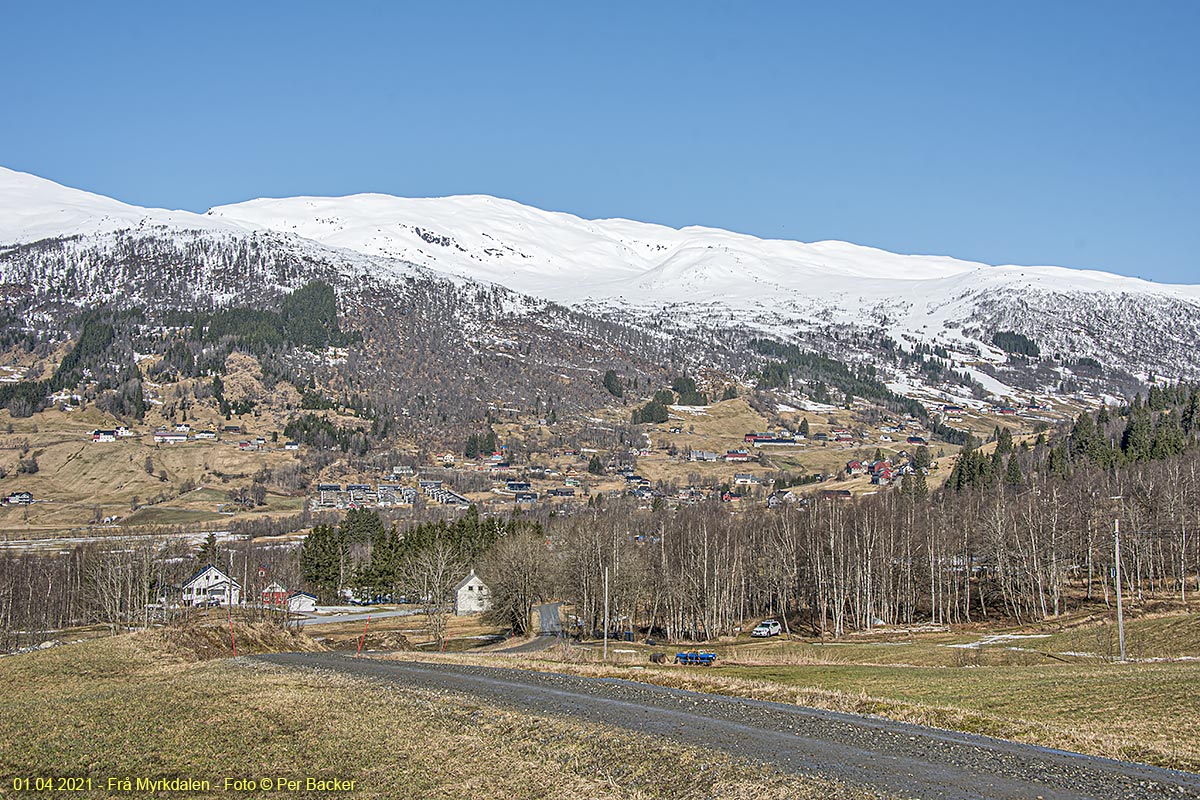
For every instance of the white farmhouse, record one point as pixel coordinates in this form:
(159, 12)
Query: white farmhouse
(210, 586)
(471, 596)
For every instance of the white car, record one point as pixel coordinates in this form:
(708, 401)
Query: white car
(768, 627)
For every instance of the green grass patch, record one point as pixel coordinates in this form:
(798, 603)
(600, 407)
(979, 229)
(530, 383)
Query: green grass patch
(151, 515)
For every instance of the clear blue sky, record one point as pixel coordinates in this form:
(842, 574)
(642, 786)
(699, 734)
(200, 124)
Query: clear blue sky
(1015, 132)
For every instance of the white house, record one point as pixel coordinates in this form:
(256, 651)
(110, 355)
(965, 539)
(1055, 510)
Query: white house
(301, 602)
(104, 436)
(471, 596)
(210, 586)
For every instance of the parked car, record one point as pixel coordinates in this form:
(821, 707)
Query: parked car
(768, 627)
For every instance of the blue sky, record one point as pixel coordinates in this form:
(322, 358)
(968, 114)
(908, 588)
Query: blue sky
(1018, 132)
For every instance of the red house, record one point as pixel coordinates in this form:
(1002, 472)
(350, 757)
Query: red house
(274, 594)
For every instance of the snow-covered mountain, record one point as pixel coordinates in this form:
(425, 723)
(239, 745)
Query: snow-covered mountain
(784, 287)
(639, 272)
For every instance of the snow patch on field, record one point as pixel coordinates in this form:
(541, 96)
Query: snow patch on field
(999, 638)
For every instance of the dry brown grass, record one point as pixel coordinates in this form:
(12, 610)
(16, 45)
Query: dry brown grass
(143, 706)
(1103, 709)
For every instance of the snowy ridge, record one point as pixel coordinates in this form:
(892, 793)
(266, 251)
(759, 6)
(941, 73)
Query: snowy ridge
(33, 208)
(636, 270)
(630, 270)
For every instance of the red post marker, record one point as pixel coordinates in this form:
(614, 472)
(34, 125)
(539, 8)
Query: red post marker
(363, 638)
(232, 640)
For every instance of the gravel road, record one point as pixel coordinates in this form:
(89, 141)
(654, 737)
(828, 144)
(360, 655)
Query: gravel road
(893, 757)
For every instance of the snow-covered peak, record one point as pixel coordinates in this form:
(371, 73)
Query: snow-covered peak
(571, 259)
(33, 208)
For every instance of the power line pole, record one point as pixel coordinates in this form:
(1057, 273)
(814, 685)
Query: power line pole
(606, 613)
(1120, 610)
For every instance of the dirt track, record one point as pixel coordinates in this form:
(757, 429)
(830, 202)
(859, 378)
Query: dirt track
(893, 757)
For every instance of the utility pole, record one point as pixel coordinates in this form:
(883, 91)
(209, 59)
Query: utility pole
(606, 614)
(1120, 611)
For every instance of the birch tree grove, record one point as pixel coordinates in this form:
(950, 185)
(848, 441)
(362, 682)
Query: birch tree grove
(832, 566)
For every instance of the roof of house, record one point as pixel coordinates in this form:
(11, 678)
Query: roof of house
(470, 575)
(205, 569)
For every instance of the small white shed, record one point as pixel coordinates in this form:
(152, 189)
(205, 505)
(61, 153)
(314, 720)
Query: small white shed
(301, 602)
(471, 595)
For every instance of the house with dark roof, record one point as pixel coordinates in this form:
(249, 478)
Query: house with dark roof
(211, 587)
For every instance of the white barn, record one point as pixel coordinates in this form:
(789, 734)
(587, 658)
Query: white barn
(210, 586)
(471, 595)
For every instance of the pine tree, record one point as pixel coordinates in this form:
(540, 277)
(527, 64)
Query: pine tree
(361, 526)
(1004, 441)
(1137, 441)
(804, 427)
(1191, 416)
(1169, 438)
(208, 552)
(323, 561)
(915, 486)
(1013, 475)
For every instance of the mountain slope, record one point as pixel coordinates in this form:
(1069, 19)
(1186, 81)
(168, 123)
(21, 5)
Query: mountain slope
(703, 289)
(784, 287)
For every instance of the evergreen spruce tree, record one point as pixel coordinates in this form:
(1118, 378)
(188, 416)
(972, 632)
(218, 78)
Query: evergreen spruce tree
(324, 557)
(1137, 441)
(1012, 474)
(915, 486)
(208, 552)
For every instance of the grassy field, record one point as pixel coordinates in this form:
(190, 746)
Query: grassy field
(398, 633)
(147, 705)
(78, 480)
(1026, 689)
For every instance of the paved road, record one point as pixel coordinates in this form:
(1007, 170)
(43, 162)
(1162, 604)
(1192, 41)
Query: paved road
(550, 631)
(549, 620)
(889, 756)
